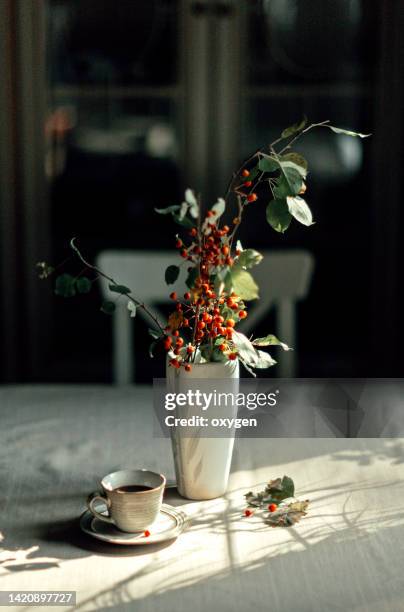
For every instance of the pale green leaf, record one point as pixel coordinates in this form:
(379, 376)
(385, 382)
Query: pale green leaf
(249, 258)
(292, 165)
(264, 360)
(299, 209)
(218, 208)
(295, 128)
(244, 285)
(132, 309)
(245, 349)
(167, 211)
(296, 158)
(270, 340)
(347, 132)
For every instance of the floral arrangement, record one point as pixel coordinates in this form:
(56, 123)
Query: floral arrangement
(202, 326)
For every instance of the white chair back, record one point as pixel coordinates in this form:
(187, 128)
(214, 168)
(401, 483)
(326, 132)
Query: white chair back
(283, 278)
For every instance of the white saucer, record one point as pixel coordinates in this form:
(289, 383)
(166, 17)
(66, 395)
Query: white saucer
(169, 524)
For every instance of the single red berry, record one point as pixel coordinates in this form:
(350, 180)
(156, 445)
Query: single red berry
(230, 323)
(248, 184)
(193, 232)
(187, 295)
(188, 368)
(185, 323)
(233, 356)
(242, 314)
(247, 512)
(147, 533)
(184, 254)
(190, 349)
(252, 197)
(272, 507)
(201, 325)
(173, 295)
(180, 342)
(222, 347)
(245, 173)
(176, 333)
(179, 243)
(225, 249)
(210, 213)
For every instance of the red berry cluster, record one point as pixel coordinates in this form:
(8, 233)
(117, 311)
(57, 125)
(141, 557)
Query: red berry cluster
(249, 197)
(205, 313)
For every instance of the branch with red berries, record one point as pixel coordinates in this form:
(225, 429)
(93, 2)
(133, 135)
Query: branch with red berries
(202, 326)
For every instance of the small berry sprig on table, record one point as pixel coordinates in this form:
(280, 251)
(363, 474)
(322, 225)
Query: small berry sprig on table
(277, 503)
(201, 327)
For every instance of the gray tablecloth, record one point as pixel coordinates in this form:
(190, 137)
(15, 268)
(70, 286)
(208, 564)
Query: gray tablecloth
(55, 444)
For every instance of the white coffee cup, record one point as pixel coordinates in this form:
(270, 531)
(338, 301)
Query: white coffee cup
(133, 499)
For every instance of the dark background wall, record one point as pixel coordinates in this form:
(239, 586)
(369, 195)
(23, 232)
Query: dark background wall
(112, 108)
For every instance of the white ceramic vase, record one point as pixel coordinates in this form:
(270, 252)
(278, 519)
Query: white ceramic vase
(202, 464)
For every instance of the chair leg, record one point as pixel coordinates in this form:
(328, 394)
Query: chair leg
(123, 362)
(286, 327)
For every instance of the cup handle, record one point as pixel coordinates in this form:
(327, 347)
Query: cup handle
(96, 496)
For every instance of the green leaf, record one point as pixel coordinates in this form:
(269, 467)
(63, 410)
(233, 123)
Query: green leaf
(154, 333)
(185, 222)
(275, 491)
(299, 209)
(108, 307)
(267, 164)
(191, 278)
(171, 274)
(292, 177)
(278, 215)
(83, 284)
(65, 285)
(119, 289)
(295, 158)
(167, 211)
(152, 347)
(223, 281)
(291, 165)
(347, 132)
(294, 129)
(253, 174)
(243, 284)
(249, 258)
(270, 340)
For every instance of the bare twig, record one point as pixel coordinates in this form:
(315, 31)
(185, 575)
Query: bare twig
(136, 302)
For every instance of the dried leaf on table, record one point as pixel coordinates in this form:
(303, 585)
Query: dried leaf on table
(288, 515)
(275, 491)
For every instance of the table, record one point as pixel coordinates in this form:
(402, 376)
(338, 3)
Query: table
(57, 441)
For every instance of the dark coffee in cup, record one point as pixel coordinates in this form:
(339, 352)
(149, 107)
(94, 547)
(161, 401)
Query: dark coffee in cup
(132, 488)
